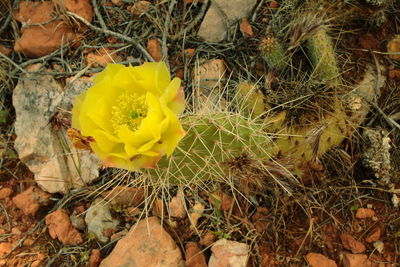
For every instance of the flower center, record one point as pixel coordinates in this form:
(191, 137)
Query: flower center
(129, 110)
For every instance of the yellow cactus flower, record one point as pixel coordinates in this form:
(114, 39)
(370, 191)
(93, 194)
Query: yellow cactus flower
(131, 115)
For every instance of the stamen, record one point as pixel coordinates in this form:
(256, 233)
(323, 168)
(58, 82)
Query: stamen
(130, 109)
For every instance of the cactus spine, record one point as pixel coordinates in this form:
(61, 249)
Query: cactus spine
(211, 143)
(273, 53)
(322, 55)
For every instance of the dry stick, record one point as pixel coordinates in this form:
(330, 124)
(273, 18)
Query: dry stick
(13, 63)
(5, 25)
(98, 15)
(118, 35)
(193, 23)
(165, 33)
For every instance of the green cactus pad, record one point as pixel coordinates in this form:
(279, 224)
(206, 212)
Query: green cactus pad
(322, 55)
(211, 143)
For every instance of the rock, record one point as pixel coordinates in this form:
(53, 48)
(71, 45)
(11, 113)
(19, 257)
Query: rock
(194, 256)
(117, 2)
(363, 213)
(196, 214)
(28, 242)
(214, 26)
(393, 46)
(273, 4)
(95, 258)
(368, 89)
(207, 78)
(102, 57)
(5, 248)
(319, 260)
(60, 227)
(374, 236)
(208, 239)
(36, 99)
(140, 7)
(246, 28)
(5, 50)
(226, 253)
(80, 7)
(260, 219)
(154, 49)
(119, 235)
(30, 200)
(40, 40)
(208, 74)
(351, 244)
(146, 244)
(5, 193)
(99, 220)
(356, 260)
(394, 74)
(35, 263)
(158, 208)
(177, 205)
(78, 222)
(124, 196)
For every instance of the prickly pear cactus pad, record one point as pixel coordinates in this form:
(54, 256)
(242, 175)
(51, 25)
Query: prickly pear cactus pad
(211, 143)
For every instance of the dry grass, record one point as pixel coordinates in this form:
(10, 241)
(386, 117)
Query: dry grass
(298, 213)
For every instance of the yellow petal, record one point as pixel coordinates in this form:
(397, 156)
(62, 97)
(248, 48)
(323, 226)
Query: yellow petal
(76, 110)
(153, 77)
(174, 96)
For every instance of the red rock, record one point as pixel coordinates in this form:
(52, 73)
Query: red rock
(95, 258)
(40, 40)
(5, 248)
(117, 2)
(319, 260)
(40, 256)
(393, 46)
(154, 49)
(31, 199)
(146, 244)
(246, 28)
(363, 213)
(351, 244)
(179, 73)
(124, 196)
(5, 50)
(83, 8)
(273, 4)
(35, 263)
(259, 219)
(140, 7)
(177, 205)
(189, 52)
(60, 227)
(226, 253)
(158, 208)
(194, 256)
(102, 57)
(28, 242)
(208, 239)
(374, 236)
(356, 260)
(5, 193)
(119, 235)
(394, 74)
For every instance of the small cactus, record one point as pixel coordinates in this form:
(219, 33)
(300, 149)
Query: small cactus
(322, 55)
(273, 53)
